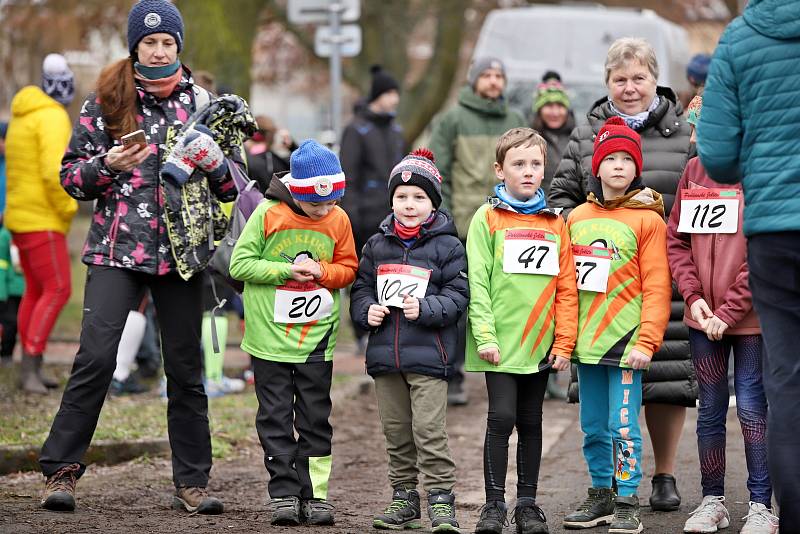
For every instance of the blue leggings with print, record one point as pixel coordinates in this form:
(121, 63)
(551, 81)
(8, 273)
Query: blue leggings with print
(611, 398)
(710, 360)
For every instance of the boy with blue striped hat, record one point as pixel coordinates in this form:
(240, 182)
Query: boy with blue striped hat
(295, 253)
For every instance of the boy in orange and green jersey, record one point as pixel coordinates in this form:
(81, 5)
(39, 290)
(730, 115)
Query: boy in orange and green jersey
(522, 320)
(619, 240)
(295, 253)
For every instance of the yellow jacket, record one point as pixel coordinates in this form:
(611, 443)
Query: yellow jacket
(37, 137)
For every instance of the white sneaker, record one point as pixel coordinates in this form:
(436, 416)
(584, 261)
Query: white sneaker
(760, 520)
(223, 386)
(710, 516)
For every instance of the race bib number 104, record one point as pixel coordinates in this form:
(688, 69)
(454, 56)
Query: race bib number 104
(531, 252)
(302, 302)
(396, 281)
(709, 211)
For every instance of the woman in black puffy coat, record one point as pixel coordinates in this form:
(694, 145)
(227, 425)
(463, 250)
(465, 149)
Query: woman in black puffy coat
(655, 113)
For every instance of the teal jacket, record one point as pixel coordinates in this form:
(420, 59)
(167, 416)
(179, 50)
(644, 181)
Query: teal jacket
(12, 283)
(748, 129)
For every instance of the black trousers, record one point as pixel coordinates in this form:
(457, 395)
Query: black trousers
(774, 262)
(8, 319)
(514, 401)
(295, 396)
(110, 293)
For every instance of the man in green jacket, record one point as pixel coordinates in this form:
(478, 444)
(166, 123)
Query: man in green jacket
(464, 139)
(463, 142)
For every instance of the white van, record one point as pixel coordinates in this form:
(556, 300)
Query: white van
(573, 40)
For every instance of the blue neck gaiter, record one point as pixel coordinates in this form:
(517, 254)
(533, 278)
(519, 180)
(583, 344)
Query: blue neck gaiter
(156, 73)
(533, 205)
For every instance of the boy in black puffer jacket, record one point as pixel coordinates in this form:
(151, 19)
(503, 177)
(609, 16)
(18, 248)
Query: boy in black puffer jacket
(410, 290)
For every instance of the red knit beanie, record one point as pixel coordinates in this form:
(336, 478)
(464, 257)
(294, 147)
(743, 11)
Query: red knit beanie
(615, 136)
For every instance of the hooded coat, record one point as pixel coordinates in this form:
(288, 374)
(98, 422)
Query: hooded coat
(37, 137)
(426, 344)
(464, 141)
(748, 129)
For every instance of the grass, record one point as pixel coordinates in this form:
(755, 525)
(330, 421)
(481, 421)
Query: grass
(26, 420)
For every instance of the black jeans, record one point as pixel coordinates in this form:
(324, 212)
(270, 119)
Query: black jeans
(774, 261)
(295, 396)
(110, 293)
(8, 319)
(514, 400)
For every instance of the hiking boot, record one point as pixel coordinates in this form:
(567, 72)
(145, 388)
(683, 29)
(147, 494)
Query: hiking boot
(316, 512)
(195, 499)
(59, 489)
(626, 516)
(30, 380)
(442, 510)
(129, 386)
(285, 511)
(492, 519)
(456, 396)
(529, 518)
(760, 520)
(665, 496)
(596, 510)
(710, 516)
(402, 513)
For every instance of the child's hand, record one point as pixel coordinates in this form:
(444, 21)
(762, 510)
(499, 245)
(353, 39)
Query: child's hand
(312, 267)
(638, 360)
(411, 307)
(701, 313)
(301, 274)
(376, 313)
(715, 328)
(491, 355)
(560, 363)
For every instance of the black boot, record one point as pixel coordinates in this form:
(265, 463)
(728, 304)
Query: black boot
(402, 513)
(665, 496)
(442, 510)
(493, 518)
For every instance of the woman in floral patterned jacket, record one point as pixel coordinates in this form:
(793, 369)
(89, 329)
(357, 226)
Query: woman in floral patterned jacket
(132, 245)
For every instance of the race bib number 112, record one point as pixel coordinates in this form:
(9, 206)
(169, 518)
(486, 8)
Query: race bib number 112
(709, 211)
(531, 252)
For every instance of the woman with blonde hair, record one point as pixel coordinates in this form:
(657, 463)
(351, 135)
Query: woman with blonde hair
(654, 112)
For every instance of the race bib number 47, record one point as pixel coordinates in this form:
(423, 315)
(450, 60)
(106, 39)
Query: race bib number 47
(709, 211)
(302, 302)
(592, 265)
(395, 280)
(530, 252)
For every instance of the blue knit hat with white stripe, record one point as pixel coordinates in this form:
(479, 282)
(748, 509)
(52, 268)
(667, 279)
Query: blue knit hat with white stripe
(315, 174)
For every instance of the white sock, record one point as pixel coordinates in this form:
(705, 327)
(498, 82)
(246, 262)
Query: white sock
(129, 344)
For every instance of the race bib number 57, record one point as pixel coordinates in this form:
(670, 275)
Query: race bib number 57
(302, 302)
(709, 211)
(592, 265)
(530, 252)
(397, 280)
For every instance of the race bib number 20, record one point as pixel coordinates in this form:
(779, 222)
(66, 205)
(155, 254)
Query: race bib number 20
(302, 302)
(397, 280)
(531, 252)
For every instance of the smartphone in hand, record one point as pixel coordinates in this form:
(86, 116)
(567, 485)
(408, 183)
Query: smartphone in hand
(134, 138)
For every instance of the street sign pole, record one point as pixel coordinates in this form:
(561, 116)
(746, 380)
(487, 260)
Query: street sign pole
(334, 17)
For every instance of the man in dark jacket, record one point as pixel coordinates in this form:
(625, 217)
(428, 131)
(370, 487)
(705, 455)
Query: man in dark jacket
(748, 132)
(262, 160)
(371, 145)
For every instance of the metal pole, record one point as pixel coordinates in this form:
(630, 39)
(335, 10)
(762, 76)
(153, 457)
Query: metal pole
(335, 13)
